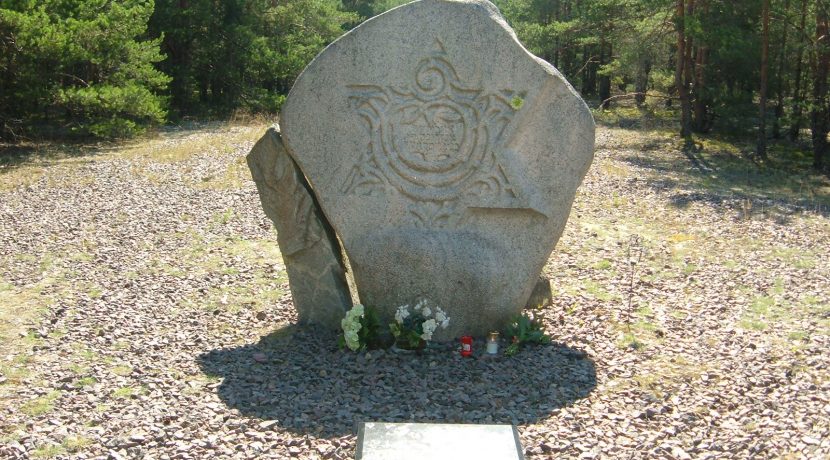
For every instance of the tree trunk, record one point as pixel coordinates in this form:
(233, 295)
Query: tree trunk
(819, 111)
(605, 80)
(589, 81)
(699, 100)
(762, 105)
(641, 82)
(780, 88)
(672, 58)
(700, 107)
(679, 75)
(798, 103)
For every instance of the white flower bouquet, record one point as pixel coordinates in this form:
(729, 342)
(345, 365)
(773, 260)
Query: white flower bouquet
(413, 329)
(360, 328)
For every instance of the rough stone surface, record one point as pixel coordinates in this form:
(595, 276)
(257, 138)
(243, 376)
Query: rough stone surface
(444, 154)
(542, 295)
(308, 245)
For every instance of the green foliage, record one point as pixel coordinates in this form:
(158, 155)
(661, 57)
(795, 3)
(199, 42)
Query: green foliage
(110, 68)
(82, 66)
(408, 332)
(523, 330)
(241, 54)
(407, 336)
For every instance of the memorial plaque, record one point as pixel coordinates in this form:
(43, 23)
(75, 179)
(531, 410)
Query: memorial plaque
(437, 441)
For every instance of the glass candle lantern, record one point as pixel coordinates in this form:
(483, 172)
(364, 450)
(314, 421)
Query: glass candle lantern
(466, 346)
(493, 343)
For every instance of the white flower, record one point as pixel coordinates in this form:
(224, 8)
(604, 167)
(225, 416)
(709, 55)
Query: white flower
(420, 305)
(351, 326)
(429, 327)
(352, 340)
(402, 313)
(426, 312)
(442, 318)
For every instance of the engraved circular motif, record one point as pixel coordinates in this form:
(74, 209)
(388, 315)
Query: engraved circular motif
(434, 142)
(430, 139)
(430, 81)
(432, 76)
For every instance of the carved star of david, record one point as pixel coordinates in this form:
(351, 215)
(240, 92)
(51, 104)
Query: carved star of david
(434, 142)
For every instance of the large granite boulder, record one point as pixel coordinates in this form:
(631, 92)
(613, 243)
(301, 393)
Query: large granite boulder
(444, 155)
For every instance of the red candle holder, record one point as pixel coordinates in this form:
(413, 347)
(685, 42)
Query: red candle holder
(466, 346)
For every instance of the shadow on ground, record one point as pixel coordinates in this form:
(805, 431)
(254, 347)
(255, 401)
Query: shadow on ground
(48, 151)
(310, 387)
(13, 156)
(723, 179)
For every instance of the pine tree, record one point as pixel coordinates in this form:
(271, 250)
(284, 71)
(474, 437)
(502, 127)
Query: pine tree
(84, 67)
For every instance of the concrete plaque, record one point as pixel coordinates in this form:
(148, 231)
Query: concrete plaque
(437, 441)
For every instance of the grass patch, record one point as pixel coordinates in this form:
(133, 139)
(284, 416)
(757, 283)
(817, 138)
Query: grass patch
(726, 170)
(679, 314)
(19, 177)
(224, 217)
(48, 451)
(798, 336)
(233, 177)
(15, 373)
(786, 175)
(261, 258)
(638, 335)
(95, 292)
(86, 381)
(611, 169)
(629, 340)
(182, 149)
(122, 370)
(638, 332)
(125, 392)
(651, 116)
(25, 163)
(785, 315)
(19, 307)
(603, 264)
(596, 291)
(758, 314)
(85, 353)
(41, 405)
(76, 443)
(800, 258)
(178, 148)
(664, 375)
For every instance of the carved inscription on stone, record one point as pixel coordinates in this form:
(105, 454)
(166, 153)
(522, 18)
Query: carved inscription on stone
(437, 142)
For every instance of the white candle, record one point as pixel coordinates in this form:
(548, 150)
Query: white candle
(493, 343)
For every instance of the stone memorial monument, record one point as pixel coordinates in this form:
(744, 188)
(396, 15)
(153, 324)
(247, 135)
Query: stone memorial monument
(443, 155)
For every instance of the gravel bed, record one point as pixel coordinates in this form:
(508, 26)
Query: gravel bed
(168, 332)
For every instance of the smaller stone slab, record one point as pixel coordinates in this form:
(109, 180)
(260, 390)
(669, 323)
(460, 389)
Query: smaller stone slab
(308, 245)
(437, 441)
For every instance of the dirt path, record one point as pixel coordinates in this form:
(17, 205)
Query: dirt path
(145, 314)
